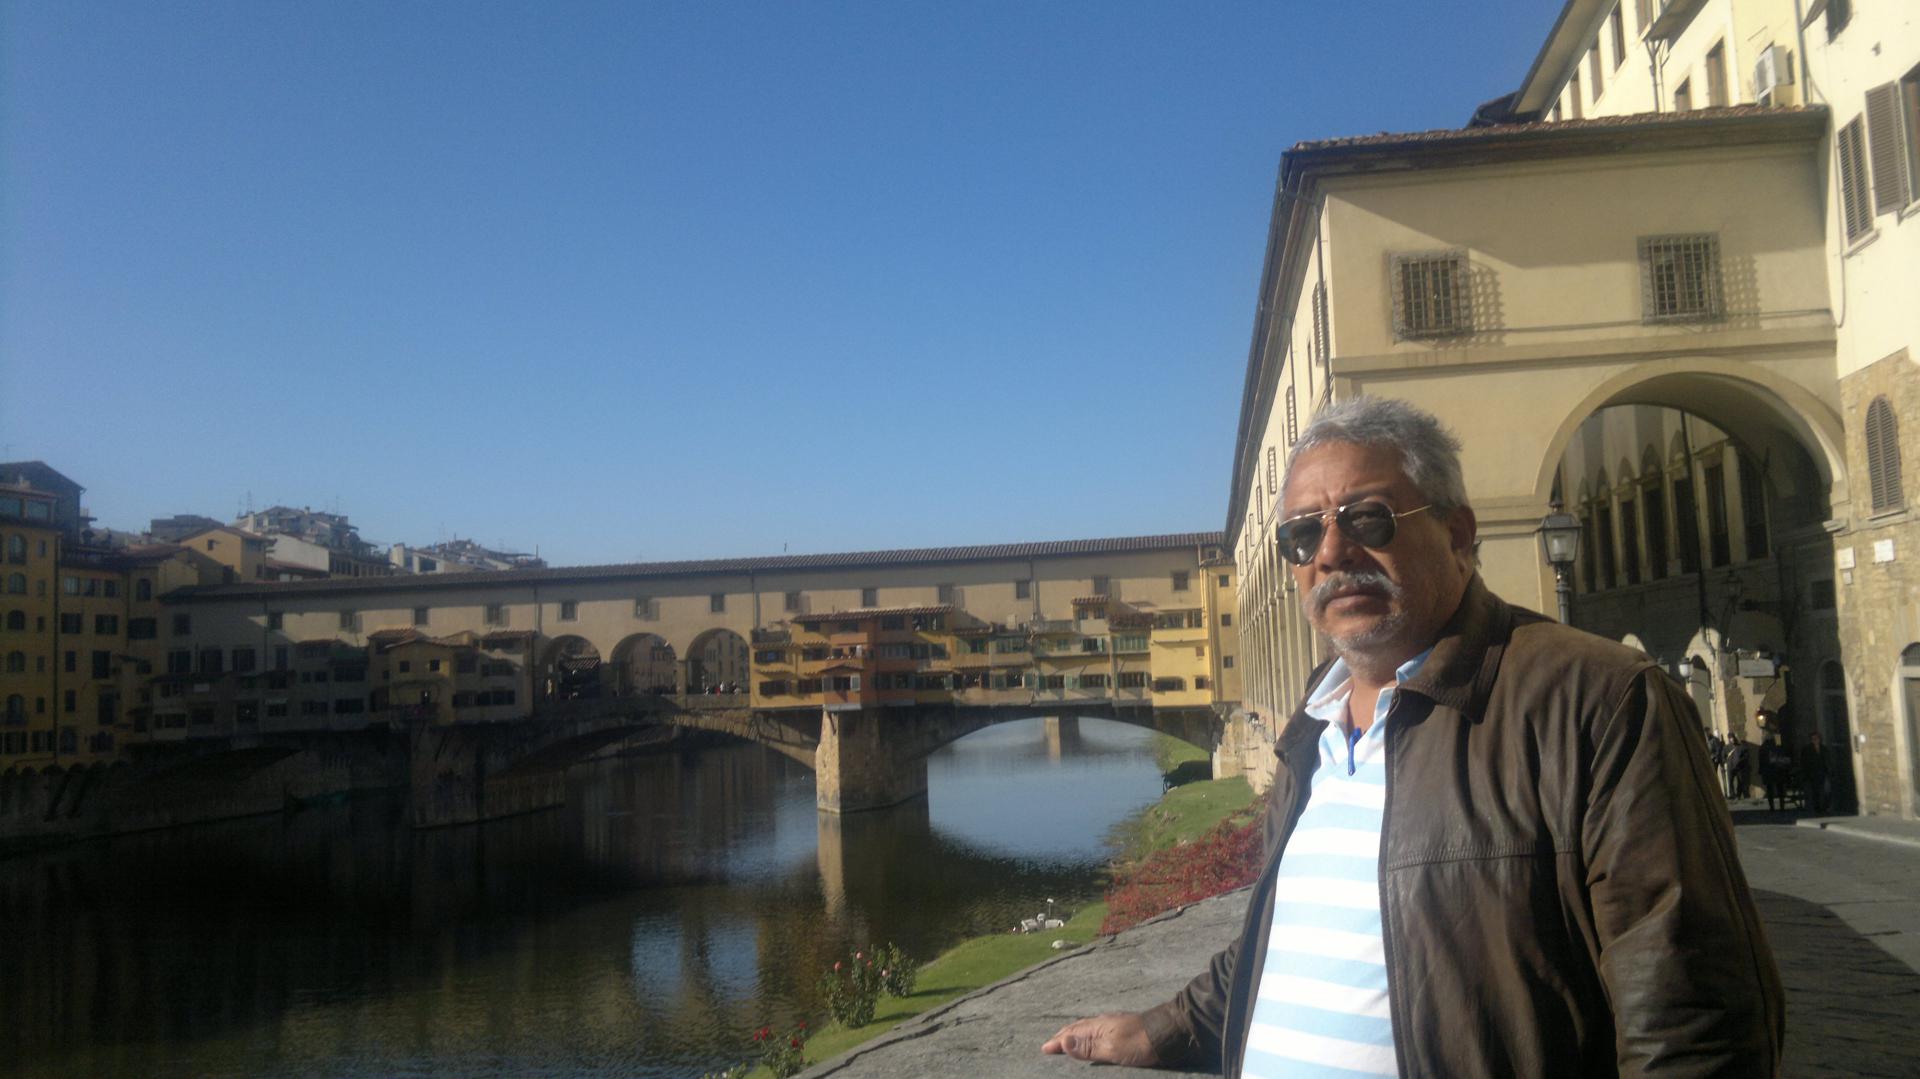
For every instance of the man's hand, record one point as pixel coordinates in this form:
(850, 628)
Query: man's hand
(1114, 1038)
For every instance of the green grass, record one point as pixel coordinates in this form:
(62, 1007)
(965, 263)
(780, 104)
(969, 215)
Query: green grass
(1182, 814)
(957, 972)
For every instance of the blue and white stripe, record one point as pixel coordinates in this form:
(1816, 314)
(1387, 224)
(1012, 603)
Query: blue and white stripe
(1321, 1010)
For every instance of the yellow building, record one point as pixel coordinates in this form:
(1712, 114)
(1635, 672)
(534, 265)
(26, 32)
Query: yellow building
(29, 623)
(1664, 283)
(244, 554)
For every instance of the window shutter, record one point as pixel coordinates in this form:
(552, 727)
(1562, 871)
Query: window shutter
(1883, 456)
(1854, 212)
(1887, 144)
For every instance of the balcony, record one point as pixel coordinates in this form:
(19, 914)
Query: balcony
(772, 636)
(1051, 625)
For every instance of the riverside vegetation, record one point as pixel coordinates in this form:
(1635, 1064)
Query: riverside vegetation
(1202, 838)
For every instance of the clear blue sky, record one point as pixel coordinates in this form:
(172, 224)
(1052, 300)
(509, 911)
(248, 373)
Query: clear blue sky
(647, 280)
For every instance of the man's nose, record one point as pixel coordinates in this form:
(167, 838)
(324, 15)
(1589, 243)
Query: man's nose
(1336, 550)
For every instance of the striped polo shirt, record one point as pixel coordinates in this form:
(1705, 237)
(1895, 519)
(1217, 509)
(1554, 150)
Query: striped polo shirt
(1321, 1009)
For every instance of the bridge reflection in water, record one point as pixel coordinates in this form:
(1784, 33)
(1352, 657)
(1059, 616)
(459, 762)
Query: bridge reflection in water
(677, 903)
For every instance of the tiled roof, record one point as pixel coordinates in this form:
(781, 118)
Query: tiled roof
(1503, 132)
(632, 570)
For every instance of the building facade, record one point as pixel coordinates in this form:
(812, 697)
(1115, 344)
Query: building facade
(1664, 283)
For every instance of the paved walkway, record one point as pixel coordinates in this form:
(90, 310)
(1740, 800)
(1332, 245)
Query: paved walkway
(1841, 904)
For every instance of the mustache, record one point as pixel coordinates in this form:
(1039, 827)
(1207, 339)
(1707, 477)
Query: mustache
(1338, 583)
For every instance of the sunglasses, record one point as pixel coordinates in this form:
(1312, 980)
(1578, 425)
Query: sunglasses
(1369, 523)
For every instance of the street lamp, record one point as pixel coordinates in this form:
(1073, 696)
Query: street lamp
(1560, 542)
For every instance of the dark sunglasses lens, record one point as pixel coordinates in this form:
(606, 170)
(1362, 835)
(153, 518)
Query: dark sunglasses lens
(1370, 524)
(1299, 538)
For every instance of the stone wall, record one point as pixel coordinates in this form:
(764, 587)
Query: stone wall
(1879, 593)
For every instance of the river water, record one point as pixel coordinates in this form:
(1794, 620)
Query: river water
(676, 904)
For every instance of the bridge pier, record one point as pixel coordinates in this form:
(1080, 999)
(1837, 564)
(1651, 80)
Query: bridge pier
(859, 767)
(1063, 734)
(461, 775)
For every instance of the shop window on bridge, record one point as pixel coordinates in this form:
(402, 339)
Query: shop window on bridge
(929, 622)
(1133, 680)
(769, 655)
(894, 621)
(1169, 685)
(1010, 645)
(806, 686)
(1053, 681)
(931, 682)
(773, 689)
(1011, 680)
(1093, 681)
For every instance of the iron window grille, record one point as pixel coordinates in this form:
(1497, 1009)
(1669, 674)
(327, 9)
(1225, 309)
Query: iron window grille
(1680, 278)
(1431, 296)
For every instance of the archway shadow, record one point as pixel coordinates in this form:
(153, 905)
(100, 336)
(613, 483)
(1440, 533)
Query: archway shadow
(1852, 1009)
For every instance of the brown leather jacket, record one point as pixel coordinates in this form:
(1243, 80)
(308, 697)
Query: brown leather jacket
(1559, 888)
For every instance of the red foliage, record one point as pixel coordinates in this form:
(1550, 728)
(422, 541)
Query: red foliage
(1223, 859)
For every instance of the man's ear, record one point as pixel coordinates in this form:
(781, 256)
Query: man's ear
(1463, 531)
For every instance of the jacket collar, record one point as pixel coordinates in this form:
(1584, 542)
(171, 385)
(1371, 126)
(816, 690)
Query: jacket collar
(1466, 654)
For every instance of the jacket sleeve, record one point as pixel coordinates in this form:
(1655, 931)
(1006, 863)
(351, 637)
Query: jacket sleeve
(1187, 1030)
(1692, 982)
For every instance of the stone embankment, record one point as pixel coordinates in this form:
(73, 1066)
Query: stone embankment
(996, 1032)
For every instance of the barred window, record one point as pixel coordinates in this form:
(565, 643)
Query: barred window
(1430, 297)
(1855, 211)
(1883, 456)
(1680, 277)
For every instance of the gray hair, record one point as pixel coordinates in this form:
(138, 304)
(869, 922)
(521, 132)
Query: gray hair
(1429, 453)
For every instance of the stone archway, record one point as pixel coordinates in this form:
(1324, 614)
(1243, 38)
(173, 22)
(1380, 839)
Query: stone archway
(571, 670)
(717, 658)
(644, 664)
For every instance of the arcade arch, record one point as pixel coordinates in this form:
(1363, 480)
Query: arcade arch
(1706, 486)
(645, 663)
(716, 658)
(571, 670)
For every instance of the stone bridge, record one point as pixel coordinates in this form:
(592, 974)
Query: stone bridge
(861, 758)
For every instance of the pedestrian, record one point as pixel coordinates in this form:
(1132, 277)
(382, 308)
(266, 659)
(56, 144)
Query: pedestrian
(1776, 771)
(1736, 769)
(1815, 778)
(1716, 750)
(1488, 846)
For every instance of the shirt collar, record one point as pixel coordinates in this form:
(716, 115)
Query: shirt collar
(1328, 699)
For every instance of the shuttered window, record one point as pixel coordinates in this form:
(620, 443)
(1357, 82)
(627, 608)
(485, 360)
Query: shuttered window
(1887, 146)
(1883, 456)
(1855, 212)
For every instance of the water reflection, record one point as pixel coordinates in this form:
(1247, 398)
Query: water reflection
(675, 905)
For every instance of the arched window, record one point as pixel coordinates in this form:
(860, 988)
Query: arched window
(16, 620)
(1883, 456)
(17, 583)
(16, 548)
(16, 663)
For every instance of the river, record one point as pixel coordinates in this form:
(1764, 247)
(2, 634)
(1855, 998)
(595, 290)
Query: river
(677, 903)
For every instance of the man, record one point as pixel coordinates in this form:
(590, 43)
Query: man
(1495, 844)
(1737, 769)
(1776, 768)
(1814, 778)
